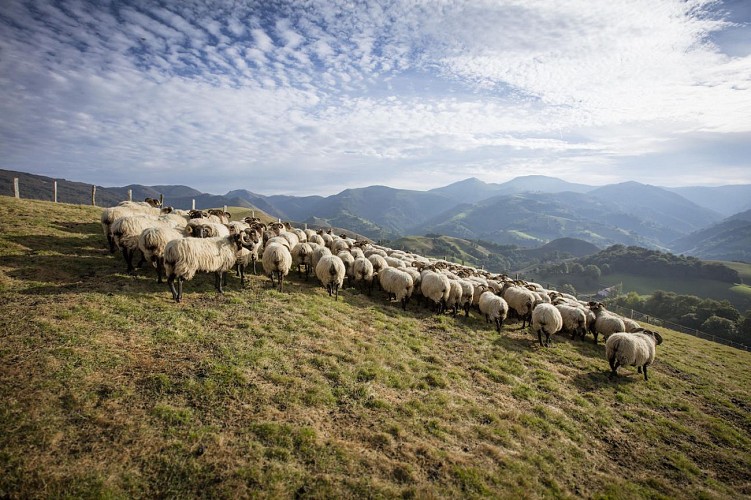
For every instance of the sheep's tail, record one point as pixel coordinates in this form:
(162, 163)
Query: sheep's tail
(332, 269)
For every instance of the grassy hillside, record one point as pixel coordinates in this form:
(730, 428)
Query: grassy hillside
(110, 389)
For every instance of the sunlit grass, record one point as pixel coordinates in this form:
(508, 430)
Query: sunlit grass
(110, 389)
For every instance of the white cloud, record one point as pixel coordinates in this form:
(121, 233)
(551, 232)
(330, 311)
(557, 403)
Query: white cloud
(391, 94)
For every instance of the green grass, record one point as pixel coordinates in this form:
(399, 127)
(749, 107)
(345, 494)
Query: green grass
(110, 389)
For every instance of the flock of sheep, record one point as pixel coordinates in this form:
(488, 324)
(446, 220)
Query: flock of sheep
(181, 243)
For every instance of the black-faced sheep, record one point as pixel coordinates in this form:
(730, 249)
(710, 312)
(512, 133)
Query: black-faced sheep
(546, 319)
(606, 322)
(184, 257)
(330, 271)
(277, 261)
(631, 349)
(397, 284)
(494, 308)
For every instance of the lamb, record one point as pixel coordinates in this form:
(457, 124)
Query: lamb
(330, 271)
(574, 319)
(631, 349)
(362, 271)
(153, 241)
(494, 308)
(606, 322)
(185, 256)
(277, 260)
(546, 318)
(436, 287)
(397, 283)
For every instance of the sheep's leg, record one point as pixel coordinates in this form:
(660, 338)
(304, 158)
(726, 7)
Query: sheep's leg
(539, 337)
(254, 266)
(128, 256)
(237, 270)
(498, 324)
(404, 303)
(142, 261)
(281, 281)
(271, 275)
(487, 319)
(171, 285)
(241, 269)
(548, 339)
(336, 291)
(466, 309)
(159, 269)
(111, 243)
(595, 334)
(613, 367)
(218, 281)
(179, 289)
(645, 373)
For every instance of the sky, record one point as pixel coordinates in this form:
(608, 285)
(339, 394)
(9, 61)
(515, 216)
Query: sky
(316, 96)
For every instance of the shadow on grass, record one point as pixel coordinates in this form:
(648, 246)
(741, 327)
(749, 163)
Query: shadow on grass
(592, 381)
(88, 228)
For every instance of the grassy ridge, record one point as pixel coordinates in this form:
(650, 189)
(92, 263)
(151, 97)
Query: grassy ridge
(110, 389)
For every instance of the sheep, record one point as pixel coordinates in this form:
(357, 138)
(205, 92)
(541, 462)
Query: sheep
(301, 256)
(455, 296)
(348, 260)
(125, 234)
(248, 253)
(203, 228)
(546, 318)
(318, 252)
(574, 319)
(521, 301)
(185, 256)
(494, 308)
(362, 271)
(436, 287)
(152, 243)
(396, 283)
(468, 291)
(330, 271)
(111, 214)
(631, 325)
(631, 349)
(277, 260)
(606, 322)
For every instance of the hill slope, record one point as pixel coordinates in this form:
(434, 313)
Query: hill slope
(112, 390)
(726, 240)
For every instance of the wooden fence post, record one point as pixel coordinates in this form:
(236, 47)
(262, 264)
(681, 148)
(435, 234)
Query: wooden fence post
(93, 195)
(54, 191)
(193, 205)
(161, 200)
(225, 208)
(16, 192)
(130, 195)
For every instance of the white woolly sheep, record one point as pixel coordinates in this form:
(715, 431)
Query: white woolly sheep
(318, 252)
(468, 291)
(301, 256)
(397, 284)
(277, 261)
(631, 349)
(348, 260)
(574, 319)
(127, 230)
(362, 272)
(546, 319)
(184, 257)
(606, 322)
(111, 214)
(153, 241)
(330, 271)
(521, 301)
(436, 287)
(248, 254)
(631, 325)
(494, 308)
(455, 296)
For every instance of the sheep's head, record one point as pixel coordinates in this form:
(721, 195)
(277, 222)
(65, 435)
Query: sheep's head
(655, 335)
(153, 202)
(166, 210)
(197, 214)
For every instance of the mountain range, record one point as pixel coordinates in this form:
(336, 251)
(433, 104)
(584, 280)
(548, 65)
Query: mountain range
(528, 211)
